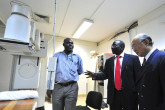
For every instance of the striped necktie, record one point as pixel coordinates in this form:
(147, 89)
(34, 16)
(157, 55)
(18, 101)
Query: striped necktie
(144, 61)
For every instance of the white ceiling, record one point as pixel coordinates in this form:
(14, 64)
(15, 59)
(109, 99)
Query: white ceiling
(110, 16)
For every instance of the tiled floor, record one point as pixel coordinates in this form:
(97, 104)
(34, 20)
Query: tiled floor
(80, 101)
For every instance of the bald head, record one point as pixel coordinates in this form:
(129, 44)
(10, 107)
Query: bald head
(68, 45)
(142, 44)
(117, 47)
(142, 37)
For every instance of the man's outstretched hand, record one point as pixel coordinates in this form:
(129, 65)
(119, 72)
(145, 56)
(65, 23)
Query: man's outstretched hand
(90, 74)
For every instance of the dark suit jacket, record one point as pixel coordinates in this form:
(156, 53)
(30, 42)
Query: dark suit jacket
(152, 89)
(129, 74)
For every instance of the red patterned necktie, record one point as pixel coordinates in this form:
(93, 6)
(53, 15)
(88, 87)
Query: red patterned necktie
(117, 74)
(144, 61)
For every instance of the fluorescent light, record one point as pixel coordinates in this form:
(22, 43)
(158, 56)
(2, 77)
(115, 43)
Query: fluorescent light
(93, 51)
(83, 27)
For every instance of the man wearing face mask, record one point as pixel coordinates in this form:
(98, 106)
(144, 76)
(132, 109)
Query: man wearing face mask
(121, 70)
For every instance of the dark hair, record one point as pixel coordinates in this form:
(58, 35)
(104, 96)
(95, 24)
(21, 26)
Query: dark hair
(143, 37)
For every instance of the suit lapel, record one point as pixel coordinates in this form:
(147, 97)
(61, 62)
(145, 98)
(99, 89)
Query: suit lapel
(125, 60)
(151, 56)
(147, 66)
(112, 63)
(112, 66)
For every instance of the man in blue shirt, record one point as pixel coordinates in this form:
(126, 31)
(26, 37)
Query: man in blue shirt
(69, 67)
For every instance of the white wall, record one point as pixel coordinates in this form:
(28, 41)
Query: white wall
(152, 24)
(105, 46)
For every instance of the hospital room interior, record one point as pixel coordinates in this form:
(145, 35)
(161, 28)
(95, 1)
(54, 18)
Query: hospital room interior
(31, 31)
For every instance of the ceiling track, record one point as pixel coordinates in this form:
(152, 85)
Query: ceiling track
(64, 17)
(97, 9)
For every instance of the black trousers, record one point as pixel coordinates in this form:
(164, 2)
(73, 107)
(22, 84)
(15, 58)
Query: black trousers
(118, 101)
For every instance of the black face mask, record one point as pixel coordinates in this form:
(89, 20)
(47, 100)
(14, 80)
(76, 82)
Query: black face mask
(117, 48)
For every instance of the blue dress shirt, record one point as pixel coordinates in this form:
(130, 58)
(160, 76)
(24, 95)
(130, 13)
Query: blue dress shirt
(68, 67)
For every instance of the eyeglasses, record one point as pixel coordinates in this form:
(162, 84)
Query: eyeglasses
(134, 46)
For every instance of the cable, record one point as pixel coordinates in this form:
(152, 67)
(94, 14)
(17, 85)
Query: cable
(133, 25)
(118, 34)
(54, 27)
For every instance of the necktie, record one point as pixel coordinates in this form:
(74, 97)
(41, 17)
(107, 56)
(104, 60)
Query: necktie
(117, 74)
(144, 61)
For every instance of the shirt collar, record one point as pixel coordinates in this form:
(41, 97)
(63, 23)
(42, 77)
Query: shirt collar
(70, 56)
(122, 55)
(149, 53)
(70, 53)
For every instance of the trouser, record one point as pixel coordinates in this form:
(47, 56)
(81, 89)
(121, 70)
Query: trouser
(65, 96)
(118, 101)
(121, 102)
